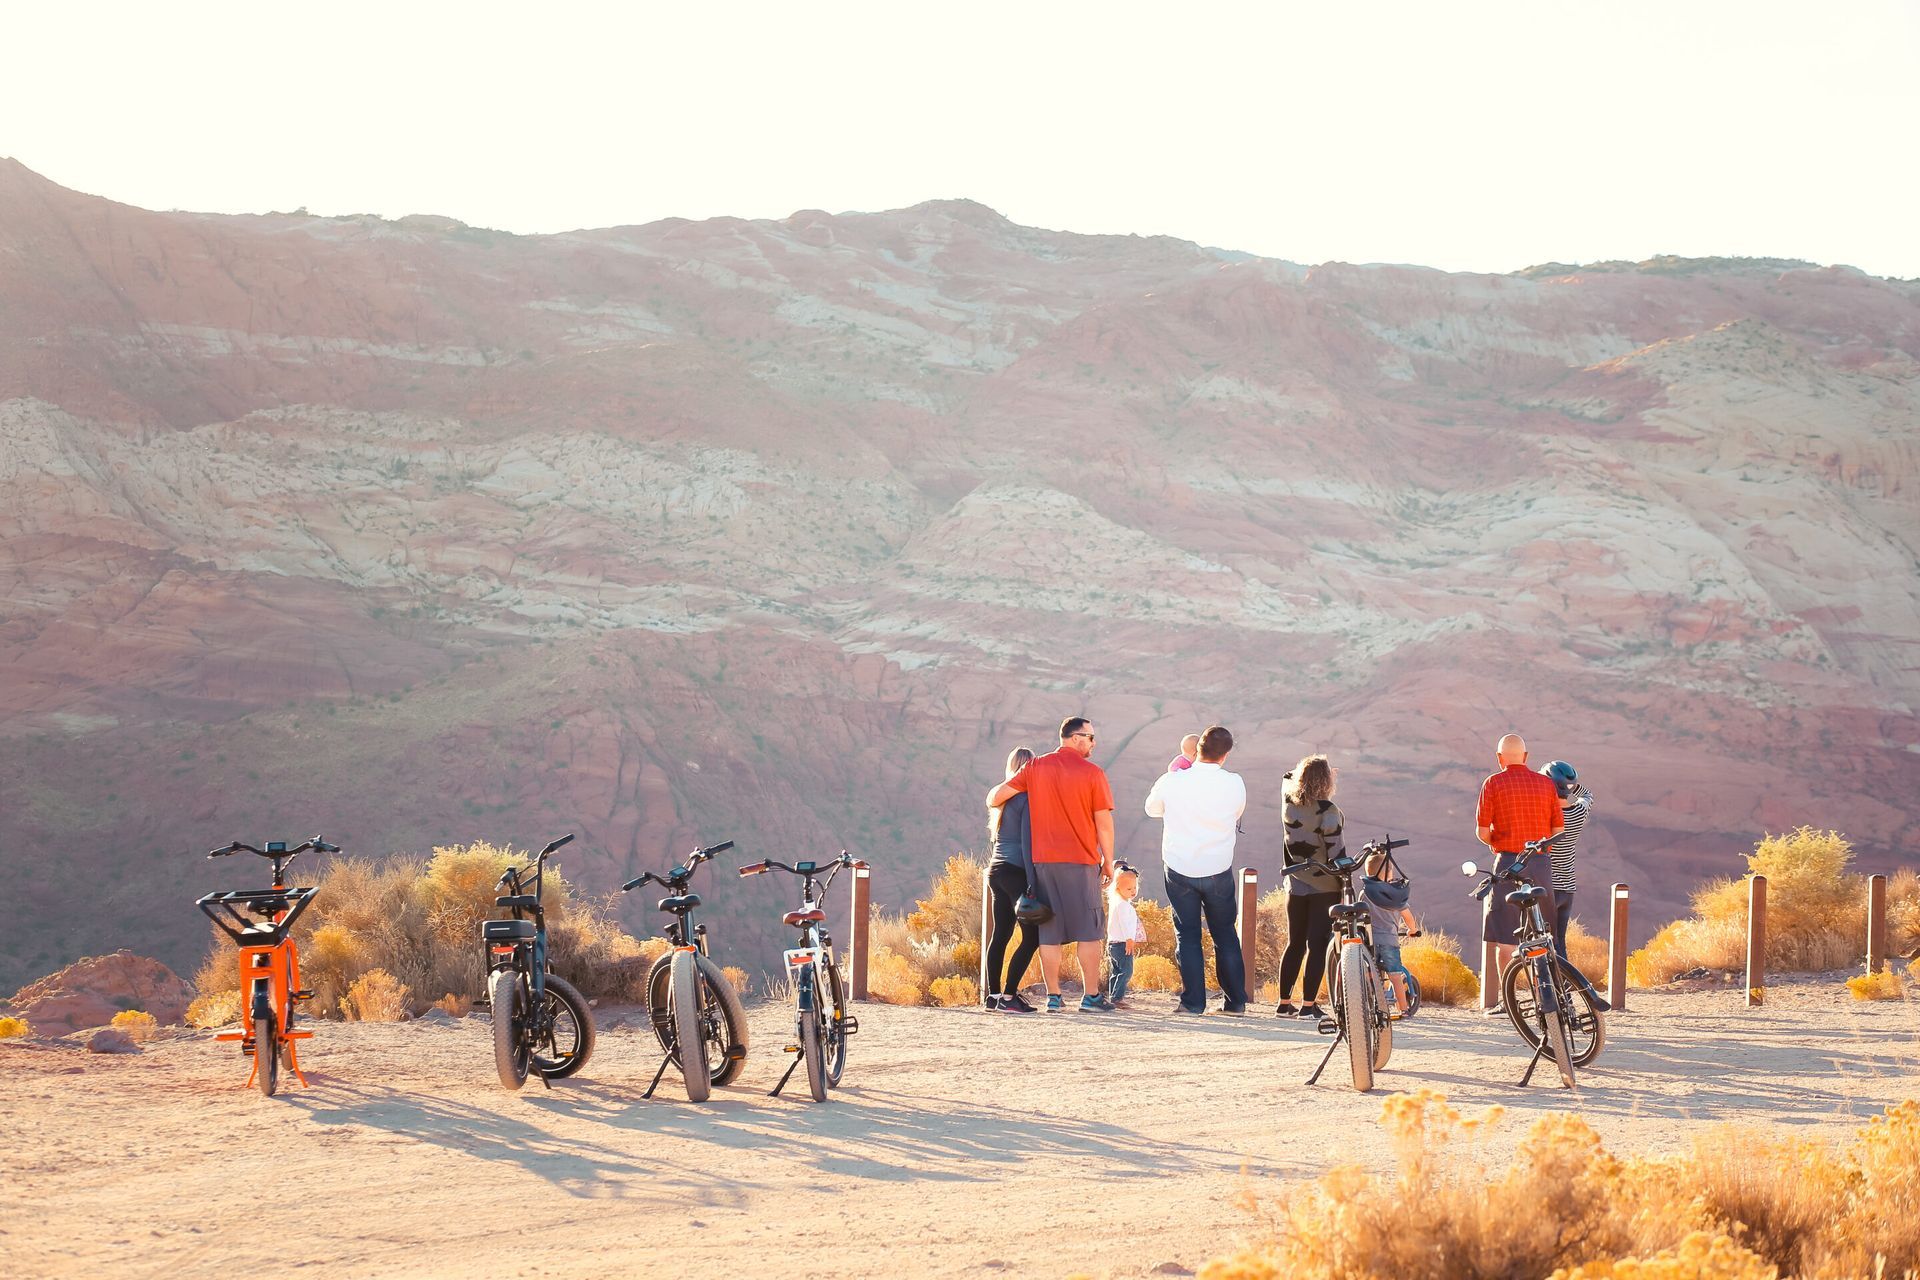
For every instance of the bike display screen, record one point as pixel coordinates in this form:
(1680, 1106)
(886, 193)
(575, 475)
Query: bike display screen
(276, 846)
(804, 868)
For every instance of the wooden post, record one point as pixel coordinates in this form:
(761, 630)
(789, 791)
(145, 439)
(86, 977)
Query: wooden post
(1876, 923)
(857, 952)
(1756, 942)
(986, 927)
(1489, 976)
(1617, 952)
(1249, 923)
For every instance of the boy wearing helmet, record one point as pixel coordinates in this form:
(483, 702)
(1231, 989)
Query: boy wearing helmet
(1575, 800)
(1387, 914)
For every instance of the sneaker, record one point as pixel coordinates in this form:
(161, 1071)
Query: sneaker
(1095, 1004)
(1498, 1011)
(1286, 1009)
(1312, 1011)
(1232, 1010)
(991, 1004)
(1191, 1013)
(1122, 1004)
(1014, 1002)
(1055, 1004)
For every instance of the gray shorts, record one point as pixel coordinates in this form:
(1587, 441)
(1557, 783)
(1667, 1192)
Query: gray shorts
(1500, 921)
(1072, 889)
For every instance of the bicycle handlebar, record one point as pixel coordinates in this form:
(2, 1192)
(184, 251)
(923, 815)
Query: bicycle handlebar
(313, 844)
(681, 874)
(514, 873)
(1511, 874)
(769, 864)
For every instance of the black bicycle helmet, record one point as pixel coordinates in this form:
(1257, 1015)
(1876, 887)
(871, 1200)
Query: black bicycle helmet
(1031, 909)
(1562, 774)
(1392, 895)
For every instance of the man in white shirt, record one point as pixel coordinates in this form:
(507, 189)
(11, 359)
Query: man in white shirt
(1201, 809)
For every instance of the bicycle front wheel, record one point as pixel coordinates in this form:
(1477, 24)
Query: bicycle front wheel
(569, 1038)
(722, 1012)
(1555, 1026)
(506, 998)
(834, 1022)
(266, 1055)
(1356, 1014)
(685, 999)
(1586, 1026)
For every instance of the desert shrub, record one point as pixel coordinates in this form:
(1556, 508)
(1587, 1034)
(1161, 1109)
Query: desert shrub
(139, 1026)
(954, 992)
(1795, 1206)
(1816, 913)
(375, 996)
(737, 976)
(891, 978)
(1269, 935)
(966, 956)
(1903, 911)
(418, 920)
(216, 1009)
(1884, 985)
(951, 909)
(10, 1028)
(458, 1006)
(1155, 973)
(1587, 953)
(1434, 961)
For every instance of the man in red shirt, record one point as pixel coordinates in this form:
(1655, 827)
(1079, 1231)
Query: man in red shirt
(1516, 805)
(1070, 807)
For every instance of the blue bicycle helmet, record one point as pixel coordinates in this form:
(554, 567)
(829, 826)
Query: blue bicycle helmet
(1562, 774)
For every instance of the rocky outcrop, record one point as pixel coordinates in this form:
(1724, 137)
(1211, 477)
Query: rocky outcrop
(788, 530)
(87, 993)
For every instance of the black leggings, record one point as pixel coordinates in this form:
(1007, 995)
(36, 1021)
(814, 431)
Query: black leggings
(1309, 930)
(1008, 882)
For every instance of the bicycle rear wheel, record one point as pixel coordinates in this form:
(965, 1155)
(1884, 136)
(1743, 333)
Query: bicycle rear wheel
(506, 998)
(570, 1035)
(727, 1057)
(266, 1055)
(1356, 1015)
(685, 999)
(813, 1045)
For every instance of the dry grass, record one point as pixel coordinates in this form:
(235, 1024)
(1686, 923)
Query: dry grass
(958, 991)
(1884, 985)
(1154, 973)
(418, 919)
(219, 1009)
(737, 978)
(1816, 913)
(139, 1026)
(1587, 953)
(375, 996)
(13, 1027)
(1740, 1204)
(1434, 961)
(456, 1006)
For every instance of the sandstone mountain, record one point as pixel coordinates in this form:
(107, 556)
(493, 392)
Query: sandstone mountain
(408, 532)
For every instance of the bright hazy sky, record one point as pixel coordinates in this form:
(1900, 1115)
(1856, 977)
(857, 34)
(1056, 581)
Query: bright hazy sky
(1464, 135)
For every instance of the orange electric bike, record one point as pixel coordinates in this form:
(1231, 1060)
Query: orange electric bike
(260, 922)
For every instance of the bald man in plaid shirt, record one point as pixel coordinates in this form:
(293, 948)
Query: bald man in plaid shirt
(1517, 805)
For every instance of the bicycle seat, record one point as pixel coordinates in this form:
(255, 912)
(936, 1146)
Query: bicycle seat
(1532, 893)
(524, 901)
(1345, 910)
(268, 906)
(800, 918)
(507, 930)
(680, 903)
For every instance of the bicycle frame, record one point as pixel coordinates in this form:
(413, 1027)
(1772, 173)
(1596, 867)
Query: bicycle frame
(527, 955)
(809, 965)
(1533, 944)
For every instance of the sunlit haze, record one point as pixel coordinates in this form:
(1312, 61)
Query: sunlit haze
(1469, 137)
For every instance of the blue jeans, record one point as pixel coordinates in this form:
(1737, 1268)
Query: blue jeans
(1119, 971)
(1388, 958)
(1212, 896)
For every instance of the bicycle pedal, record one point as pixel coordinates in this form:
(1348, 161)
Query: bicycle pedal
(736, 1053)
(1328, 1027)
(849, 1025)
(305, 993)
(792, 1048)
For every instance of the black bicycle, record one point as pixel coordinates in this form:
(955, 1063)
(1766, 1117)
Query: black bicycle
(540, 1021)
(819, 993)
(1360, 1019)
(1553, 1006)
(690, 1001)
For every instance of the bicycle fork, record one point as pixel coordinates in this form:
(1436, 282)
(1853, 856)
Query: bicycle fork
(803, 1004)
(1546, 1002)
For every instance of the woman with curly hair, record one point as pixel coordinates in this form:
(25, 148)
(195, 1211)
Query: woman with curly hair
(1313, 844)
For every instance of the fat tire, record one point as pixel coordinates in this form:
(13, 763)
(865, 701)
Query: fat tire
(1383, 1049)
(510, 1052)
(266, 1055)
(733, 1014)
(813, 1047)
(1355, 1016)
(1585, 1047)
(1413, 993)
(836, 1036)
(562, 992)
(1556, 1032)
(684, 1000)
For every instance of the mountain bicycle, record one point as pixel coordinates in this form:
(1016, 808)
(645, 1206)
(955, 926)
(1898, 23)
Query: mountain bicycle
(540, 1021)
(819, 993)
(269, 960)
(1355, 984)
(690, 1001)
(1550, 1003)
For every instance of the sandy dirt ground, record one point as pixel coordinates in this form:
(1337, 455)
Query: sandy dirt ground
(962, 1144)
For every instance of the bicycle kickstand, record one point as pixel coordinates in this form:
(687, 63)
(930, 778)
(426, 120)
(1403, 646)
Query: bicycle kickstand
(1539, 1050)
(783, 1079)
(543, 1079)
(664, 1063)
(1315, 1077)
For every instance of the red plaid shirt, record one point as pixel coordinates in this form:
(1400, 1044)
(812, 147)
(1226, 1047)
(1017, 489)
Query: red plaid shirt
(1520, 805)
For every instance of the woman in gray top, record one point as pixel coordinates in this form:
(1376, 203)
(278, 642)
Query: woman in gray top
(1314, 843)
(1009, 875)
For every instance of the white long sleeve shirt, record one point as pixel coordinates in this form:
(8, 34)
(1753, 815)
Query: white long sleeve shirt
(1199, 807)
(1123, 920)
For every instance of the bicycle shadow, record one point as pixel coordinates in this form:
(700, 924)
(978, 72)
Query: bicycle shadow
(882, 1135)
(585, 1169)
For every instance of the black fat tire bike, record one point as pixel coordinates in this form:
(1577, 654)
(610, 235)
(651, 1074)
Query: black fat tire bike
(1361, 1019)
(689, 1000)
(822, 1022)
(541, 1022)
(1553, 1006)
